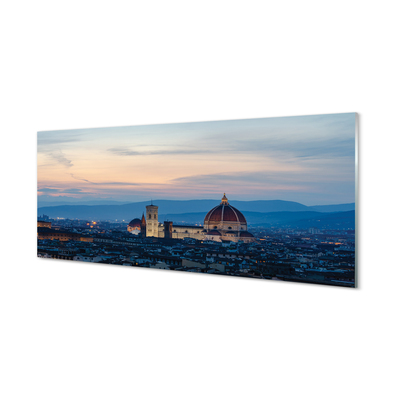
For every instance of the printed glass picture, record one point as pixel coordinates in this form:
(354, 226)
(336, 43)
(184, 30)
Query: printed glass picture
(268, 198)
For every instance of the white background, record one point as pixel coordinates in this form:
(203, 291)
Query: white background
(85, 331)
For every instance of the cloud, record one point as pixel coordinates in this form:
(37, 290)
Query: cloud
(50, 143)
(47, 139)
(245, 178)
(81, 179)
(61, 159)
(126, 152)
(58, 190)
(291, 148)
(71, 191)
(48, 190)
(303, 186)
(104, 183)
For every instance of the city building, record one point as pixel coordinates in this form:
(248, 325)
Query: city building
(222, 223)
(135, 226)
(327, 257)
(43, 224)
(45, 232)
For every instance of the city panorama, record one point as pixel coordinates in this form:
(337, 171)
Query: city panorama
(146, 196)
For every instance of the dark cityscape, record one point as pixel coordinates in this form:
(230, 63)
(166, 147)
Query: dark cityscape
(312, 255)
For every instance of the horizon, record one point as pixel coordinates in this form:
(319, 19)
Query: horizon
(182, 200)
(305, 159)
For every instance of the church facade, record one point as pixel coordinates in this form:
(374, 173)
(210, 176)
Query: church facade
(222, 223)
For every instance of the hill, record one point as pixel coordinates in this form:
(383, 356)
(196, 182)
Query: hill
(167, 207)
(289, 219)
(263, 213)
(334, 207)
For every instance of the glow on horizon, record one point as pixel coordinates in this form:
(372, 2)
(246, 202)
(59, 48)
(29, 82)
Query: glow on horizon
(309, 159)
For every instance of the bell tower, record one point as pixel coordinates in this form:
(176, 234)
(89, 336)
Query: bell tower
(152, 220)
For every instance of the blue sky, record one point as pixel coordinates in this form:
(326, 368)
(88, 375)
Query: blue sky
(309, 159)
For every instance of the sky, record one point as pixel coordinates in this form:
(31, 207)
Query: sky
(308, 159)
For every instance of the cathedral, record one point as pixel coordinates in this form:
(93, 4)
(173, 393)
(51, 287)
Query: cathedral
(223, 222)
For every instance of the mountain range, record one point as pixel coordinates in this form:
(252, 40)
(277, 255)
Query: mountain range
(258, 212)
(291, 219)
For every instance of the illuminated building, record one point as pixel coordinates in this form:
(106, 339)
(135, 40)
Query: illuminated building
(152, 225)
(44, 224)
(223, 222)
(135, 226)
(52, 234)
(44, 232)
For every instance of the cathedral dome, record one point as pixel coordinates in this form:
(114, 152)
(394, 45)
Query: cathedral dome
(135, 223)
(224, 212)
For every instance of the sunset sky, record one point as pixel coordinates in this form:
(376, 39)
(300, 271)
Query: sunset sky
(309, 159)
